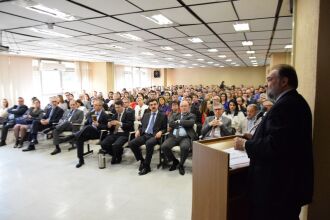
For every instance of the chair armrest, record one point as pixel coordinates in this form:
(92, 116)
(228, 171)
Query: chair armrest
(130, 135)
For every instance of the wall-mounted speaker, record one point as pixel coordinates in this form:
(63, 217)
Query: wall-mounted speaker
(156, 74)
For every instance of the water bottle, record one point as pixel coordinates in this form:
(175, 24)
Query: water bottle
(102, 163)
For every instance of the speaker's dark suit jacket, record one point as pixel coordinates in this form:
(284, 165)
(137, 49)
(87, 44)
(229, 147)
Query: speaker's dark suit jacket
(160, 123)
(127, 120)
(280, 152)
(55, 117)
(187, 121)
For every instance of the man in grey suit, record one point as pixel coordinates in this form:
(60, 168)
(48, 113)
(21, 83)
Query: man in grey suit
(70, 121)
(183, 133)
(217, 125)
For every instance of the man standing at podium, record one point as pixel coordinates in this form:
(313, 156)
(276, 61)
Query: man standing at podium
(280, 152)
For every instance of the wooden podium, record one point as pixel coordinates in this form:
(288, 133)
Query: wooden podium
(219, 192)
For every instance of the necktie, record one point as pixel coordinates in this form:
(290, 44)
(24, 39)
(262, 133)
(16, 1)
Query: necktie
(213, 130)
(119, 116)
(177, 134)
(151, 125)
(69, 115)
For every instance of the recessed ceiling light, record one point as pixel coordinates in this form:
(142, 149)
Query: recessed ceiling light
(241, 26)
(253, 61)
(212, 50)
(190, 67)
(47, 11)
(130, 36)
(255, 65)
(222, 56)
(167, 48)
(49, 32)
(288, 46)
(247, 43)
(252, 57)
(169, 58)
(250, 51)
(183, 61)
(222, 66)
(155, 61)
(216, 64)
(228, 60)
(210, 62)
(233, 63)
(237, 65)
(202, 66)
(200, 59)
(147, 53)
(114, 46)
(159, 19)
(195, 64)
(195, 40)
(187, 55)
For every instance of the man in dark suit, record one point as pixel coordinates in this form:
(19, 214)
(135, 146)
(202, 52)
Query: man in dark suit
(52, 116)
(96, 121)
(14, 112)
(70, 121)
(217, 125)
(120, 125)
(183, 133)
(153, 125)
(280, 152)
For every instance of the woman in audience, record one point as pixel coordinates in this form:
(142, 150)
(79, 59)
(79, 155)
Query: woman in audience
(3, 110)
(61, 103)
(241, 105)
(224, 100)
(237, 117)
(163, 106)
(206, 110)
(81, 106)
(87, 102)
(24, 123)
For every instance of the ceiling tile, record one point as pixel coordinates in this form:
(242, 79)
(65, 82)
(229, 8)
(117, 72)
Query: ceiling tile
(95, 39)
(195, 30)
(180, 16)
(168, 32)
(107, 6)
(232, 37)
(215, 12)
(15, 22)
(144, 35)
(162, 42)
(192, 2)
(285, 9)
(156, 4)
(258, 35)
(84, 27)
(284, 23)
(137, 19)
(111, 24)
(249, 9)
(283, 34)
(285, 41)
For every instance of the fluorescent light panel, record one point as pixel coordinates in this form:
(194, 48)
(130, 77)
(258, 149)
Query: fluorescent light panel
(167, 48)
(288, 46)
(212, 50)
(50, 12)
(250, 52)
(147, 53)
(195, 40)
(252, 57)
(49, 32)
(247, 43)
(187, 55)
(222, 56)
(241, 27)
(130, 36)
(159, 19)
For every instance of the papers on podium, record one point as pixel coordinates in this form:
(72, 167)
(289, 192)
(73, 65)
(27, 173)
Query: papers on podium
(237, 158)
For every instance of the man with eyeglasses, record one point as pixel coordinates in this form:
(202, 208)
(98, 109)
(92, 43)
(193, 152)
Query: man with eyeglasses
(52, 116)
(218, 125)
(13, 113)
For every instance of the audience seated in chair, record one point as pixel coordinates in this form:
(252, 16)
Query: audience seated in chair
(70, 121)
(120, 125)
(3, 110)
(96, 121)
(24, 123)
(52, 116)
(14, 112)
(182, 134)
(153, 125)
(218, 125)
